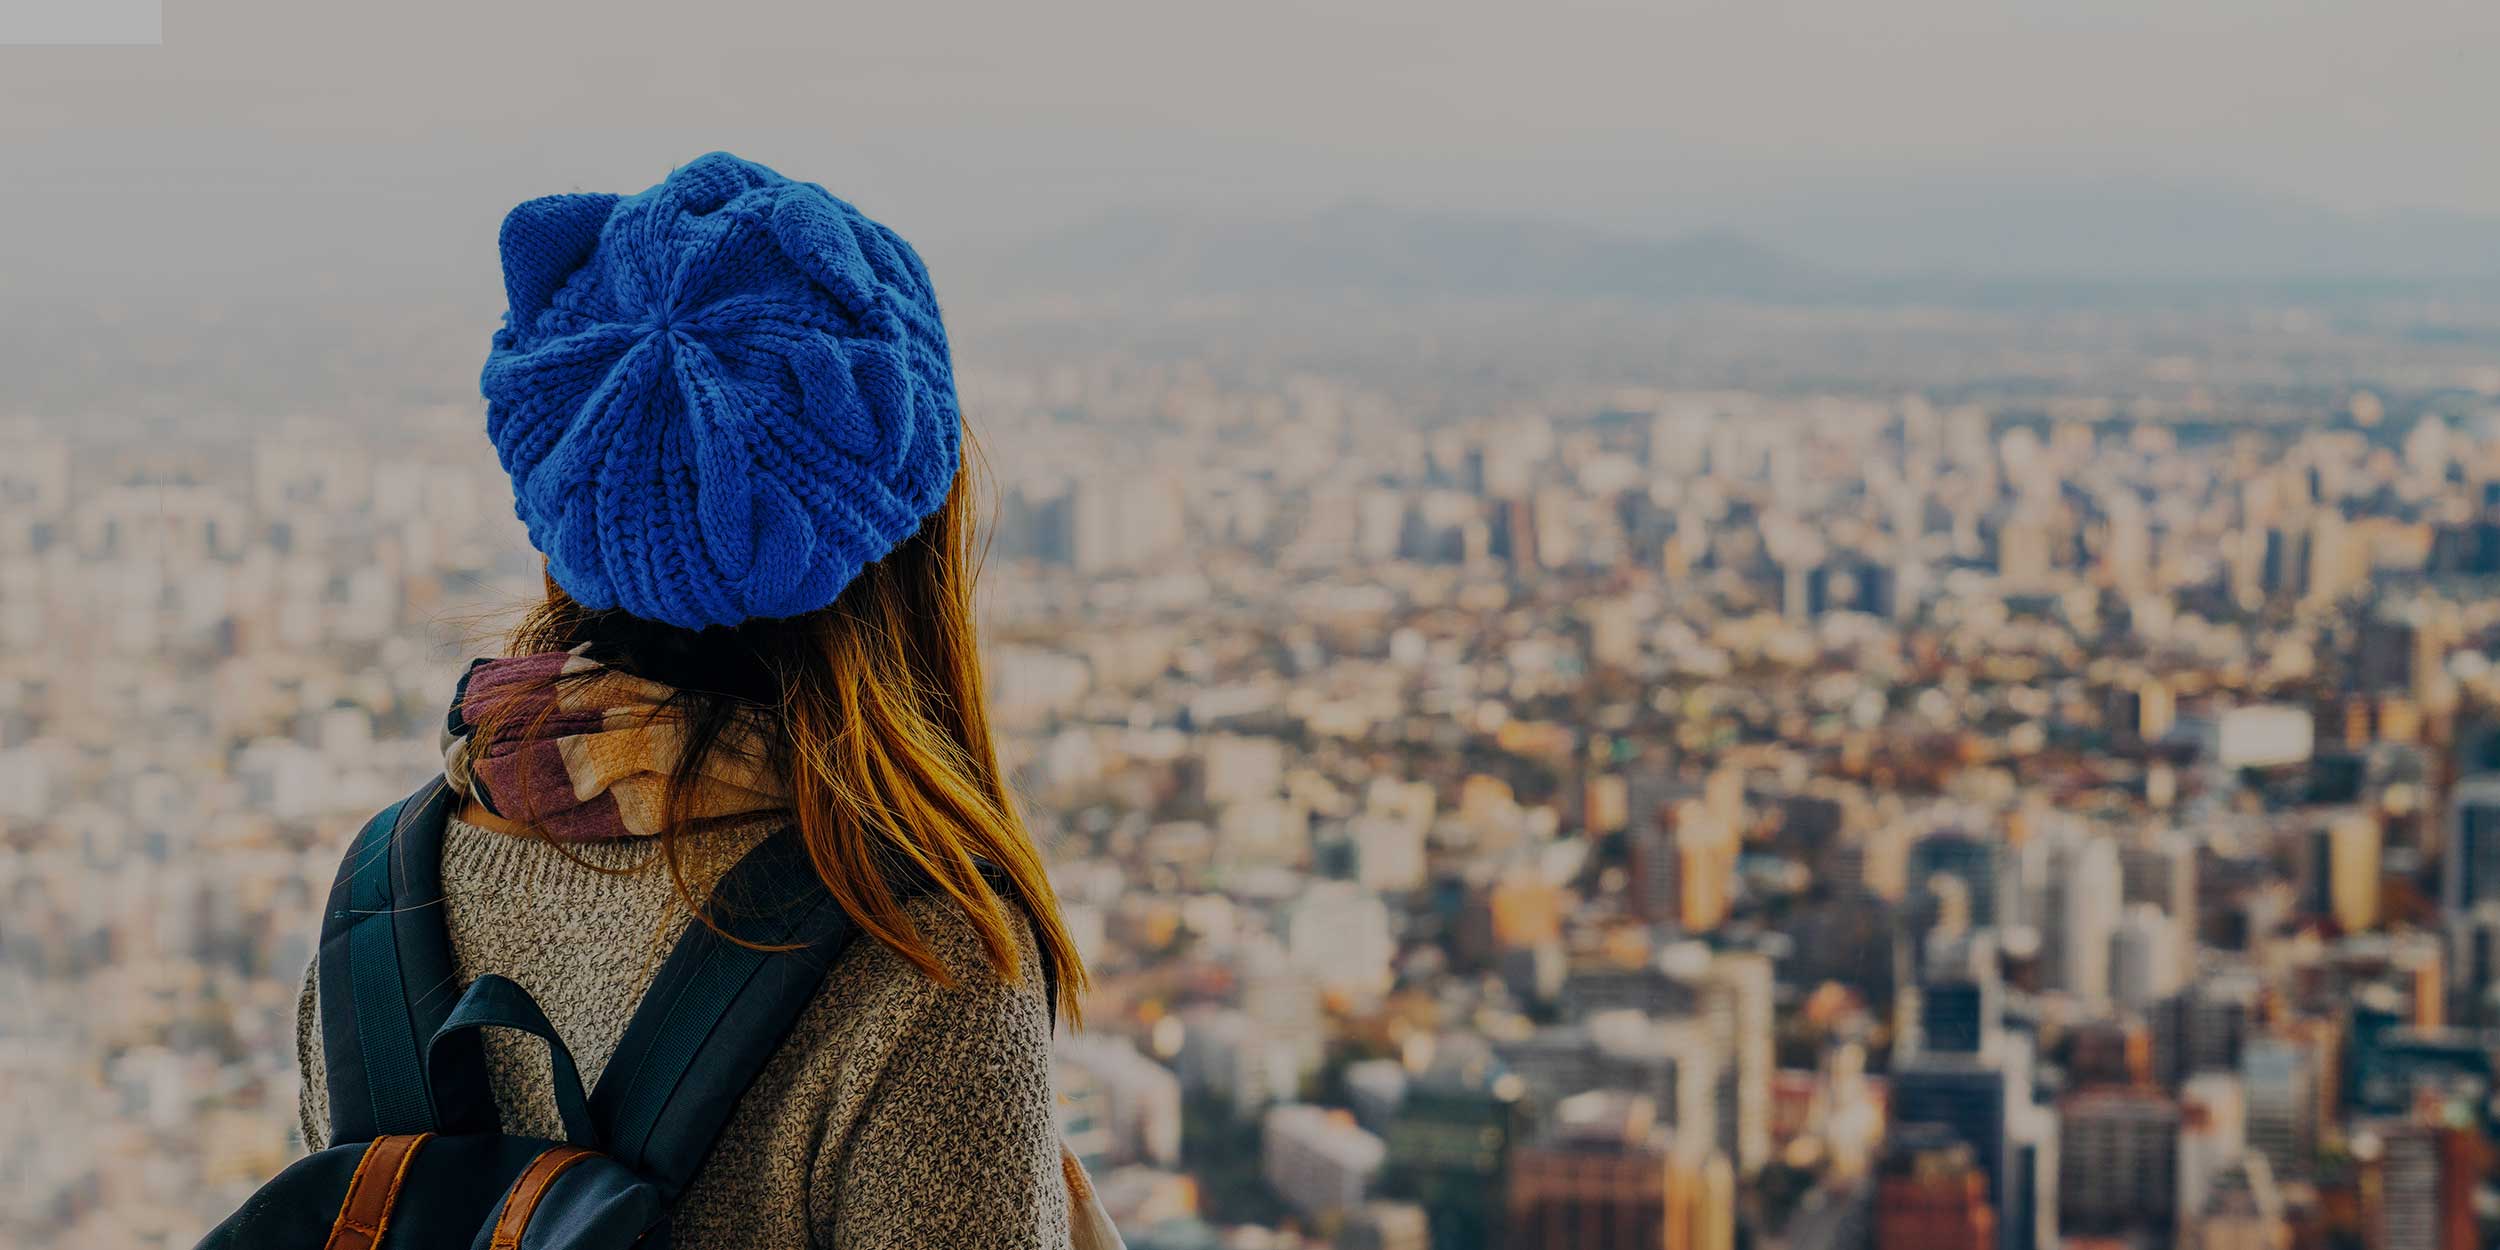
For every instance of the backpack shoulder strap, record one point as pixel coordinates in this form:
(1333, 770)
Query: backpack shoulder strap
(387, 983)
(717, 1011)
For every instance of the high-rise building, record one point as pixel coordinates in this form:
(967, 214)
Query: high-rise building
(2340, 872)
(2118, 1162)
(2396, 1065)
(1338, 936)
(2114, 1051)
(1683, 840)
(2385, 656)
(1684, 859)
(1236, 1056)
(1973, 860)
(1985, 1100)
(2082, 896)
(1931, 1194)
(1608, 1176)
(2472, 871)
(1318, 1160)
(2204, 1026)
(2137, 711)
(1715, 1025)
(1960, 996)
(2428, 1172)
(1450, 1146)
(2279, 1078)
(1736, 1009)
(2160, 869)
(2213, 1134)
(1956, 1015)
(1141, 1099)
(2146, 957)
(2474, 963)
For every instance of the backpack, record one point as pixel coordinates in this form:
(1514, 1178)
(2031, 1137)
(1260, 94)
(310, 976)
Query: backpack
(417, 1160)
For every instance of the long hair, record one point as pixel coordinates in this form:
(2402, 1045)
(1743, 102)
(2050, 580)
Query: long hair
(873, 709)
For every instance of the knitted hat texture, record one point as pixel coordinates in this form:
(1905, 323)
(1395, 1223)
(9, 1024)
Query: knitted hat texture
(719, 399)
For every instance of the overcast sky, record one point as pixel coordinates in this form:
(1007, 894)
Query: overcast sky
(337, 139)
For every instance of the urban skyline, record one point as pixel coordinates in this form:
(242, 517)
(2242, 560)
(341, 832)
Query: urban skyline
(1944, 777)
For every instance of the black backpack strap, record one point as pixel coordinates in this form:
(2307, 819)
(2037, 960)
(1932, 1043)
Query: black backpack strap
(387, 983)
(492, 1001)
(716, 1012)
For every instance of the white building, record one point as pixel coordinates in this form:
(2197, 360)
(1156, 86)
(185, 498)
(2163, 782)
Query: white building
(1141, 1099)
(1318, 1160)
(2083, 891)
(2213, 1134)
(1337, 934)
(2144, 957)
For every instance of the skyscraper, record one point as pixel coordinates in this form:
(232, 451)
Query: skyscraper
(2145, 957)
(1736, 1006)
(1683, 840)
(1931, 1194)
(2428, 1171)
(2160, 869)
(1985, 1100)
(1607, 1176)
(1450, 1146)
(2118, 1162)
(2280, 1079)
(2340, 872)
(2082, 895)
(2472, 873)
(1973, 860)
(2474, 962)
(2213, 1134)
(1960, 996)
(2204, 1026)
(1318, 1160)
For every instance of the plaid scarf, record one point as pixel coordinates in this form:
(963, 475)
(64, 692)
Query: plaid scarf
(584, 752)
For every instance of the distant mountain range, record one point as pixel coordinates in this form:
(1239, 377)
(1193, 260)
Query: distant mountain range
(2042, 248)
(2116, 230)
(1376, 250)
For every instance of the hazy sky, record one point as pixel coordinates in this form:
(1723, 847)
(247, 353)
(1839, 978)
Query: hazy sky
(294, 137)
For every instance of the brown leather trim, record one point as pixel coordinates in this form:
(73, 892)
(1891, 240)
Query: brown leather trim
(365, 1213)
(528, 1190)
(1080, 1186)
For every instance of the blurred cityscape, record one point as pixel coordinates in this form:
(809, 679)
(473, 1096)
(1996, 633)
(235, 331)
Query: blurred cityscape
(1912, 779)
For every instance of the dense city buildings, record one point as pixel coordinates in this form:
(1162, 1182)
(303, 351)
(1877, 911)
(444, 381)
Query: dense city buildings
(1972, 779)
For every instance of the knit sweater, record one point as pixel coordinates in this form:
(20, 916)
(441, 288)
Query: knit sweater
(897, 1113)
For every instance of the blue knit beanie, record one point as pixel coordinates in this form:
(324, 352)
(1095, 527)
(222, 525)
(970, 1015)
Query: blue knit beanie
(718, 399)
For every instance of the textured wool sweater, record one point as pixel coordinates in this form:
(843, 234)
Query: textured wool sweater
(897, 1113)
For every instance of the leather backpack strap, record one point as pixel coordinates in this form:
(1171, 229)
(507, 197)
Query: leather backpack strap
(373, 1192)
(529, 1189)
(387, 983)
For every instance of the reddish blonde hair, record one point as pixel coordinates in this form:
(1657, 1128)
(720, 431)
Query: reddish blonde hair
(877, 716)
